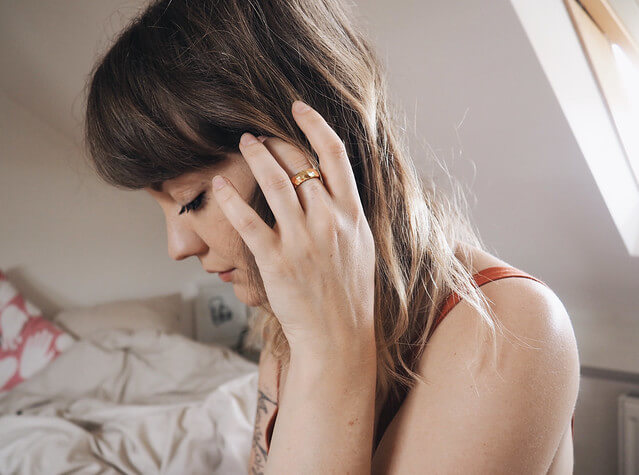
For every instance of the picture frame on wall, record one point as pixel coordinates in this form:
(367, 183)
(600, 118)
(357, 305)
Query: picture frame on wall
(218, 316)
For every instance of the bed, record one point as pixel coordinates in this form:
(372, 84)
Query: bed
(131, 400)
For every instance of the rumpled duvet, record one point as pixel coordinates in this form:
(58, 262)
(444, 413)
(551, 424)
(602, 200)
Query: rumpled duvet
(142, 402)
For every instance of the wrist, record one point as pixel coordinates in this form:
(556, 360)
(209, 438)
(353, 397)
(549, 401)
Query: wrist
(319, 361)
(334, 394)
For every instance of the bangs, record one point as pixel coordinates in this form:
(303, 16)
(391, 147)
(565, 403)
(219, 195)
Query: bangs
(140, 131)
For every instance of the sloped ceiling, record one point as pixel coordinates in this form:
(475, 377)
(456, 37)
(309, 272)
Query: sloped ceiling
(47, 50)
(474, 94)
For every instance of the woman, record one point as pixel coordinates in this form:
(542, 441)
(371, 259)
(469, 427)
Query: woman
(329, 233)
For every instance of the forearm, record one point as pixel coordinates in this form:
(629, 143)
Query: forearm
(326, 415)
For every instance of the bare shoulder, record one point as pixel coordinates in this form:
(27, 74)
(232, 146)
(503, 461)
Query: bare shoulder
(506, 417)
(526, 307)
(537, 326)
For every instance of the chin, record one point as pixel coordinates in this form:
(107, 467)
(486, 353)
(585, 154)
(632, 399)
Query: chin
(241, 294)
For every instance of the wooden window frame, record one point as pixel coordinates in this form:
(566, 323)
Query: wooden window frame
(556, 44)
(598, 27)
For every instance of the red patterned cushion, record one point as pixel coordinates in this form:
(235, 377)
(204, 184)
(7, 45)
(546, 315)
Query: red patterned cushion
(28, 342)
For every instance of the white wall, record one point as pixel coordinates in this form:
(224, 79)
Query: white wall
(67, 239)
(537, 204)
(596, 423)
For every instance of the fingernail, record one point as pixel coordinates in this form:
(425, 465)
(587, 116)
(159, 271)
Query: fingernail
(218, 182)
(247, 138)
(299, 106)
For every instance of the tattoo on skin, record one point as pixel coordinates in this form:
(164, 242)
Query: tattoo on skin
(265, 406)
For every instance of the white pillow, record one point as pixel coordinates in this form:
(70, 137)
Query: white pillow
(166, 312)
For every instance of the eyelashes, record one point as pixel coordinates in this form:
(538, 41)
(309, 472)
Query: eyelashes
(193, 205)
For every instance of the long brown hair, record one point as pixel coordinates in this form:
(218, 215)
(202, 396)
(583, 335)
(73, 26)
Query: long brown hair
(223, 68)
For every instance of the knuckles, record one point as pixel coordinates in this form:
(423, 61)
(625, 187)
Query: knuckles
(331, 236)
(337, 149)
(329, 225)
(277, 182)
(247, 223)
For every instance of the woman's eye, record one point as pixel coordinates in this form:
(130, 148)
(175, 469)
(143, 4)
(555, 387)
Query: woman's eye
(193, 205)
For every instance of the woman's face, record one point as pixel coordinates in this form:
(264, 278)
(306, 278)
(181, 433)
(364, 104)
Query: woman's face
(205, 232)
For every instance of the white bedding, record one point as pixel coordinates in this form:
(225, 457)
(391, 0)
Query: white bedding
(132, 402)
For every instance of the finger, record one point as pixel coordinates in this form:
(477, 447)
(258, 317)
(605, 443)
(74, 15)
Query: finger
(257, 235)
(274, 182)
(334, 163)
(293, 161)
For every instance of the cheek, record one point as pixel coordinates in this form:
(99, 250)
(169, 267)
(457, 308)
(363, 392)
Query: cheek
(214, 228)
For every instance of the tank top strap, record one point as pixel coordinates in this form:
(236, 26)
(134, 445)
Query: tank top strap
(489, 274)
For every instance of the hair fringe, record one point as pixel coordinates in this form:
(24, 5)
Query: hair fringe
(184, 80)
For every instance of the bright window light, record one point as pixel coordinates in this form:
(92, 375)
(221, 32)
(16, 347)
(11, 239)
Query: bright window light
(629, 75)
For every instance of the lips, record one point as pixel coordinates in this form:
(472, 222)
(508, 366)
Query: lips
(219, 271)
(226, 276)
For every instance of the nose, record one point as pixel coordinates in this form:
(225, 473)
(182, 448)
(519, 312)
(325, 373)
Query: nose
(183, 241)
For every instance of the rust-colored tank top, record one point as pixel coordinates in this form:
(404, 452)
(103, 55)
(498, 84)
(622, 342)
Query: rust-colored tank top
(391, 406)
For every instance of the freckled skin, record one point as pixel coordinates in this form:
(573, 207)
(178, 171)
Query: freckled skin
(206, 233)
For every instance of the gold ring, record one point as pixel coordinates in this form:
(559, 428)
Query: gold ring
(304, 175)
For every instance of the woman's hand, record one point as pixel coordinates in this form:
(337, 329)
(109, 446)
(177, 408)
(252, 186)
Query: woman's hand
(318, 261)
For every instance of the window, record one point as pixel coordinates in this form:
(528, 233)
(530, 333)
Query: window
(610, 41)
(573, 41)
